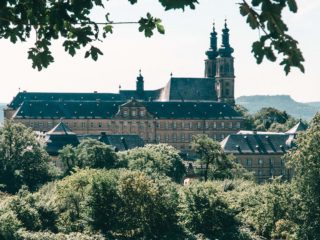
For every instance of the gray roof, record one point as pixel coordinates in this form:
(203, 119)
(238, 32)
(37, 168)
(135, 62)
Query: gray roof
(58, 138)
(189, 89)
(120, 142)
(299, 127)
(108, 109)
(60, 129)
(177, 89)
(257, 143)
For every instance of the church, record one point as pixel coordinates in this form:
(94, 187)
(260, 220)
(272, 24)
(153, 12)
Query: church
(172, 114)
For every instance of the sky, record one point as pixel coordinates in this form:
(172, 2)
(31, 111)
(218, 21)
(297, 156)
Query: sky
(181, 51)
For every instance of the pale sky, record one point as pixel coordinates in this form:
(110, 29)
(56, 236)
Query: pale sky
(180, 51)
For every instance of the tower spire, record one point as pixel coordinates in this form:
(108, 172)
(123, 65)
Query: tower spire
(225, 50)
(212, 52)
(225, 69)
(140, 85)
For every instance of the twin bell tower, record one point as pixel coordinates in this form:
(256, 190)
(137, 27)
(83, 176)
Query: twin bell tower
(219, 66)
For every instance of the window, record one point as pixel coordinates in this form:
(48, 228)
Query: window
(99, 124)
(249, 163)
(182, 125)
(222, 124)
(167, 138)
(125, 113)
(91, 124)
(174, 125)
(227, 69)
(260, 173)
(190, 137)
(74, 124)
(238, 125)
(158, 137)
(230, 124)
(222, 136)
(150, 136)
(207, 125)
(260, 161)
(190, 125)
(227, 92)
(133, 113)
(271, 162)
(167, 125)
(158, 125)
(214, 125)
(142, 113)
(199, 125)
(174, 137)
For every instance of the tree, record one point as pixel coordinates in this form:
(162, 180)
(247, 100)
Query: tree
(22, 160)
(95, 154)
(217, 165)
(247, 117)
(133, 205)
(160, 159)
(205, 213)
(272, 119)
(68, 157)
(305, 162)
(73, 22)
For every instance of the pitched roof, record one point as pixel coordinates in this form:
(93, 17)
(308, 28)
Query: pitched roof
(120, 142)
(299, 127)
(107, 109)
(189, 89)
(60, 129)
(256, 143)
(58, 138)
(177, 89)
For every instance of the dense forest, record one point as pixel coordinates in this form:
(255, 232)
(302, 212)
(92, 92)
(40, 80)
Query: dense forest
(138, 194)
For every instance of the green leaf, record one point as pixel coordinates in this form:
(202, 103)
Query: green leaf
(160, 28)
(292, 5)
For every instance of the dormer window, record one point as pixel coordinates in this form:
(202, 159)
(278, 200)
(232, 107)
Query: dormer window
(133, 113)
(125, 113)
(142, 113)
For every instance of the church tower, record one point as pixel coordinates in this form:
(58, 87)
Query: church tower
(225, 70)
(212, 53)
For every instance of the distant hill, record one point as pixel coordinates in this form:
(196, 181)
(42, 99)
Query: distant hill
(282, 102)
(2, 106)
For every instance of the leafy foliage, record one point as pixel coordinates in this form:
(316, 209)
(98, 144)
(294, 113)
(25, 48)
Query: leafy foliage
(206, 214)
(157, 159)
(72, 21)
(217, 164)
(267, 119)
(89, 153)
(266, 15)
(22, 160)
(306, 166)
